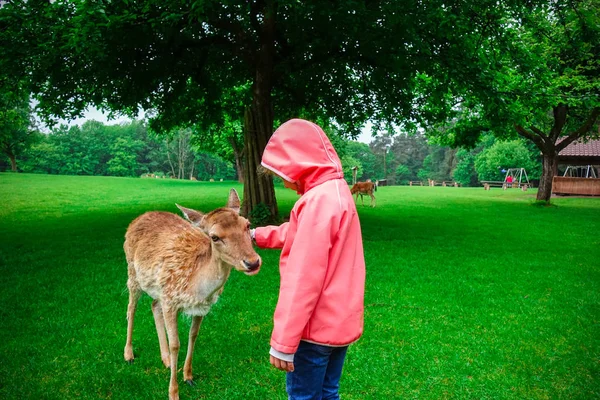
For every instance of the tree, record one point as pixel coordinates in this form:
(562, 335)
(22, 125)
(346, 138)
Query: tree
(347, 61)
(365, 158)
(425, 173)
(410, 151)
(491, 163)
(75, 159)
(226, 141)
(380, 148)
(16, 123)
(403, 174)
(465, 173)
(439, 163)
(43, 157)
(538, 79)
(124, 158)
(348, 163)
(211, 166)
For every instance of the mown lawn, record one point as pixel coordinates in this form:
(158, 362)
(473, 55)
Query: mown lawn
(470, 294)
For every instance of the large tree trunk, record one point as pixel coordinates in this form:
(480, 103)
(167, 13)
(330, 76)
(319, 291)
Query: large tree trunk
(549, 170)
(13, 162)
(257, 189)
(258, 123)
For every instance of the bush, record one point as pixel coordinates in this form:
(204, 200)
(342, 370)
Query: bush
(503, 155)
(260, 215)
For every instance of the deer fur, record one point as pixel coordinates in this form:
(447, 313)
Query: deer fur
(183, 266)
(364, 188)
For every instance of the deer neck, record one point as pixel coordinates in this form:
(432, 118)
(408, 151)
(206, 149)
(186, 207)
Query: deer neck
(211, 275)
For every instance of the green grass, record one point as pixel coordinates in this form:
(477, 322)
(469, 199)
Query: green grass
(470, 294)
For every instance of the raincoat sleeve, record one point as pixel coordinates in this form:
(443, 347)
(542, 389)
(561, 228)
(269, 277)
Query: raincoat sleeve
(303, 276)
(271, 237)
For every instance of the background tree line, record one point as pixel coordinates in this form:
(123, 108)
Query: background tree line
(118, 150)
(403, 158)
(132, 149)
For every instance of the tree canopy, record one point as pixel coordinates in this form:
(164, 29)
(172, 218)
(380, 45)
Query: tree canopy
(183, 61)
(454, 68)
(540, 81)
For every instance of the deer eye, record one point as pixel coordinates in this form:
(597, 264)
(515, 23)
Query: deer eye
(214, 238)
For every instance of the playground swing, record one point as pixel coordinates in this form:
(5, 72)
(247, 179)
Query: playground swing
(580, 171)
(518, 177)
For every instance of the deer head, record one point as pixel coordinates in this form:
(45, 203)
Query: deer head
(229, 233)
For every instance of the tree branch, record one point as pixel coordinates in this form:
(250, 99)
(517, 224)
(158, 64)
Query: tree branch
(583, 129)
(535, 138)
(560, 118)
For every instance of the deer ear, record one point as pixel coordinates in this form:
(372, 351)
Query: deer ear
(234, 201)
(195, 217)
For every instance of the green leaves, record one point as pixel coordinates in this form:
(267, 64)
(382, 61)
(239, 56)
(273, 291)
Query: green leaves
(491, 162)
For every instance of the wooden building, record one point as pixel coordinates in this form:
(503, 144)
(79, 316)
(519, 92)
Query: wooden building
(580, 154)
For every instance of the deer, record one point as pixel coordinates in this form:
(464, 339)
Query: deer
(183, 265)
(364, 188)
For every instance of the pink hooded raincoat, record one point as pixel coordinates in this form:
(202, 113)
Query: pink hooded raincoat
(322, 263)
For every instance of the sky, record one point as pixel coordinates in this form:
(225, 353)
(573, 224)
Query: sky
(365, 136)
(97, 115)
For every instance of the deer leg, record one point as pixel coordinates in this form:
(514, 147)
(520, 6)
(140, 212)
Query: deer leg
(134, 295)
(373, 201)
(170, 317)
(159, 321)
(187, 367)
(362, 200)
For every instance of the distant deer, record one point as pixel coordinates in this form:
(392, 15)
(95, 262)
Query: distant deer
(364, 188)
(183, 267)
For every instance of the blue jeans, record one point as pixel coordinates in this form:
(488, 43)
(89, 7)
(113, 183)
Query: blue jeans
(317, 372)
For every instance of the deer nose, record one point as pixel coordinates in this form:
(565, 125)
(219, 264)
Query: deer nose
(251, 266)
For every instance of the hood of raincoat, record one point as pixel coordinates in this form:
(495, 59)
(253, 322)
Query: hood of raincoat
(300, 152)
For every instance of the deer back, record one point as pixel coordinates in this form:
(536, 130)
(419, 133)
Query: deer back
(164, 252)
(362, 187)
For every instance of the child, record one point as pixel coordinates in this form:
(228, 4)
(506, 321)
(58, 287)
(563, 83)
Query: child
(322, 267)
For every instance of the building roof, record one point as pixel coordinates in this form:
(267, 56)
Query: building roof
(589, 149)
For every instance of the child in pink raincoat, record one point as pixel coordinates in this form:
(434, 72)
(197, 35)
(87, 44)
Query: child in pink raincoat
(320, 307)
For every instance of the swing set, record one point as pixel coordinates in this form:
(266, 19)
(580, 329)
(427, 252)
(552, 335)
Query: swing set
(580, 171)
(518, 177)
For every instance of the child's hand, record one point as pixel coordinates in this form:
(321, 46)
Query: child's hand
(282, 365)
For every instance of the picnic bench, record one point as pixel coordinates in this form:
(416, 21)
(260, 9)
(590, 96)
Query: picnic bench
(504, 185)
(489, 184)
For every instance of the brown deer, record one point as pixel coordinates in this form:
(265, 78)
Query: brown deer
(183, 267)
(364, 188)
